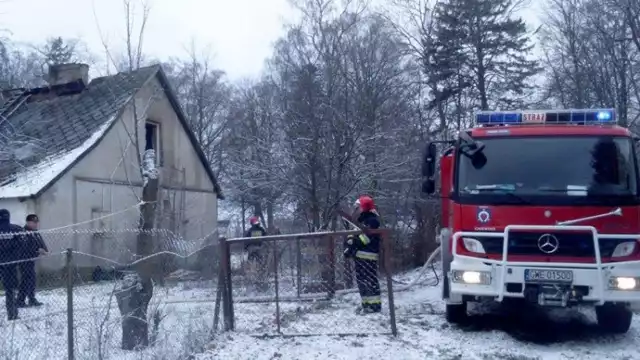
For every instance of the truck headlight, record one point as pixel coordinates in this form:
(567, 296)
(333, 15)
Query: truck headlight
(623, 283)
(473, 245)
(471, 277)
(624, 249)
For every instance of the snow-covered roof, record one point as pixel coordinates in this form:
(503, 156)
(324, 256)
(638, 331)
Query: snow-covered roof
(32, 179)
(50, 128)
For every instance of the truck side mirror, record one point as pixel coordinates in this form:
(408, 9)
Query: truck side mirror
(478, 160)
(429, 169)
(429, 162)
(429, 186)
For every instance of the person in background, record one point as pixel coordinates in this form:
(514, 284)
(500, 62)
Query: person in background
(254, 249)
(33, 246)
(10, 248)
(365, 249)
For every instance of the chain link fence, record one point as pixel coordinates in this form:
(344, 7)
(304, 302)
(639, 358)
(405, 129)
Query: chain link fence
(302, 284)
(73, 303)
(88, 295)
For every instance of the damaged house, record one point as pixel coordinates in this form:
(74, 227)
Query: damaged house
(69, 154)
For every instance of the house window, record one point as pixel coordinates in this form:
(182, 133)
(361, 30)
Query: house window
(152, 138)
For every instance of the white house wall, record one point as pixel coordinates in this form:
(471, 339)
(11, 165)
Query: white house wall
(107, 180)
(18, 209)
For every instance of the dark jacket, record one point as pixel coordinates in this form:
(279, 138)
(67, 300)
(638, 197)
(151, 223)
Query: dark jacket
(370, 220)
(365, 243)
(10, 238)
(32, 242)
(255, 231)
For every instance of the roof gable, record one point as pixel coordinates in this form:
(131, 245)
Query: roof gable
(173, 99)
(55, 131)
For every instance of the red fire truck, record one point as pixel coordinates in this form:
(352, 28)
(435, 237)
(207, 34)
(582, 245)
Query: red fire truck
(543, 207)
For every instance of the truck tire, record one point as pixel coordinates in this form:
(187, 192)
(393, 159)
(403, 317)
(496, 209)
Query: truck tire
(456, 313)
(614, 318)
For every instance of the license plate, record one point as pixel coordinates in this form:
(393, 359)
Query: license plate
(546, 276)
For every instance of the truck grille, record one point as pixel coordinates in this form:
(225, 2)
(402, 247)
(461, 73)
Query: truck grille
(570, 244)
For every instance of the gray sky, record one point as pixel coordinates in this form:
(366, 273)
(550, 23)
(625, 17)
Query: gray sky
(239, 33)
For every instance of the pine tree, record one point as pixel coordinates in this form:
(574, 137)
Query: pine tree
(59, 51)
(489, 48)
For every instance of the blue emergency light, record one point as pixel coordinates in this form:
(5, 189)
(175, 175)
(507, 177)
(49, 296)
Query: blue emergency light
(578, 117)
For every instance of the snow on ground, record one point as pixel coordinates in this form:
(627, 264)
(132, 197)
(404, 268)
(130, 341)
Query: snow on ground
(187, 316)
(423, 334)
(41, 333)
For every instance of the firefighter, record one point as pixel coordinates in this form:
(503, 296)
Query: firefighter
(33, 247)
(254, 248)
(365, 251)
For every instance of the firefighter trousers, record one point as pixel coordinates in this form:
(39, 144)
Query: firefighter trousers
(368, 284)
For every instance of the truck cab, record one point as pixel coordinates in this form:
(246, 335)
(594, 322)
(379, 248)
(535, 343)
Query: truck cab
(542, 207)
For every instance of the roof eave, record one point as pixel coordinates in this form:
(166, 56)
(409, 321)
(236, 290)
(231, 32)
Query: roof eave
(173, 99)
(164, 81)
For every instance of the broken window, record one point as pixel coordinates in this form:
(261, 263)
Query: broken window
(152, 138)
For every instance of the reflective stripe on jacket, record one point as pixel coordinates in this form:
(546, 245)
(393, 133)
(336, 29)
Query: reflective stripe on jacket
(366, 255)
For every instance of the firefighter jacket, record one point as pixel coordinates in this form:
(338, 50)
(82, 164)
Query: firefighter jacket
(255, 231)
(363, 246)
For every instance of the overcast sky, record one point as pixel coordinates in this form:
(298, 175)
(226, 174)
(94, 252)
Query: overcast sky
(238, 32)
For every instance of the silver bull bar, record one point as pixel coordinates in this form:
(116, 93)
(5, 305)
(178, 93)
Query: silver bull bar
(503, 263)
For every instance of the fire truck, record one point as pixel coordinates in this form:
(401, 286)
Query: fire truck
(540, 207)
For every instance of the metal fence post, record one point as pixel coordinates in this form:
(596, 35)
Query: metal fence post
(227, 299)
(219, 291)
(298, 266)
(70, 327)
(276, 285)
(389, 272)
(332, 267)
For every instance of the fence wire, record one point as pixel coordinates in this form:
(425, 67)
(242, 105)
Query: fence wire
(66, 302)
(70, 294)
(303, 285)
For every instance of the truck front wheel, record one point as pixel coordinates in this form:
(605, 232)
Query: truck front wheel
(456, 313)
(614, 318)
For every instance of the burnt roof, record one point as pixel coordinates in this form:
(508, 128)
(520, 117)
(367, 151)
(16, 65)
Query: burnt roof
(53, 120)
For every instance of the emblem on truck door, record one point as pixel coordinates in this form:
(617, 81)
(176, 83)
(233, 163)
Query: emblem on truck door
(483, 215)
(548, 243)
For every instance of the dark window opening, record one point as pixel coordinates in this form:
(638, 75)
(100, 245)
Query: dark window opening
(151, 136)
(153, 140)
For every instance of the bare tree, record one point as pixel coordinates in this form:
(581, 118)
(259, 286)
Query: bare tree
(137, 290)
(205, 96)
(591, 57)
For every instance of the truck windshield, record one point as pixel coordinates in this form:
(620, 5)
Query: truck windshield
(577, 169)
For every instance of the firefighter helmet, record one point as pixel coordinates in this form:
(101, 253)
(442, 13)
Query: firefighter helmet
(365, 203)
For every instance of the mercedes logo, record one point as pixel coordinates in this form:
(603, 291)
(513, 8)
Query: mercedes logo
(548, 243)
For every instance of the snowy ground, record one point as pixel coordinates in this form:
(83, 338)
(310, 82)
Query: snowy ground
(186, 312)
(423, 334)
(187, 317)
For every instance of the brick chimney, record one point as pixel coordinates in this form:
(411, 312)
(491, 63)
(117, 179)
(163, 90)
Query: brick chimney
(66, 73)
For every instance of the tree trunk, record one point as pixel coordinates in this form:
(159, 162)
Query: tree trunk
(270, 220)
(137, 288)
(244, 220)
(133, 301)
